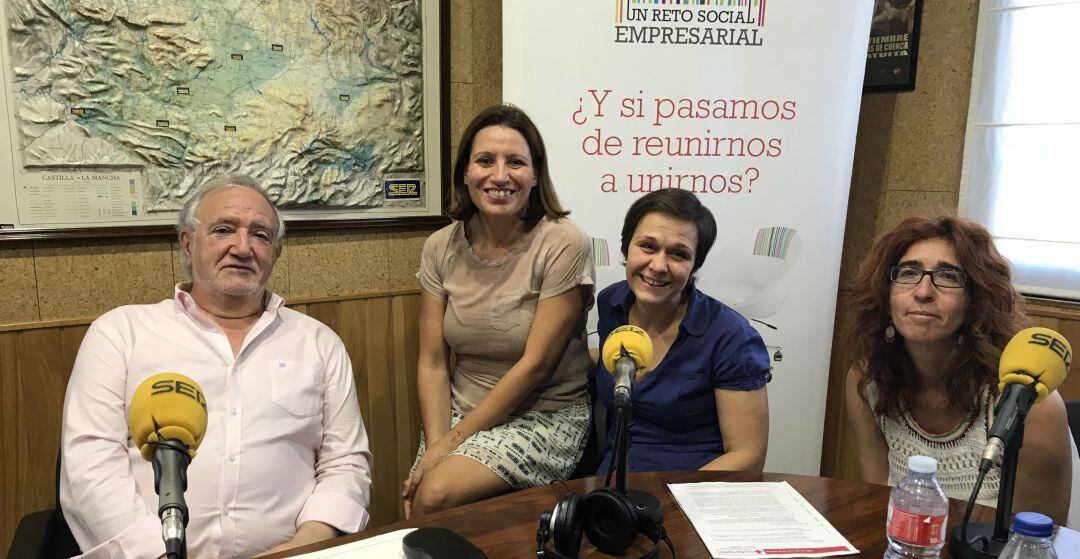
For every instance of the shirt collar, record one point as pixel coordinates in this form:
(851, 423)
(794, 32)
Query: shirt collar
(696, 321)
(186, 303)
(621, 301)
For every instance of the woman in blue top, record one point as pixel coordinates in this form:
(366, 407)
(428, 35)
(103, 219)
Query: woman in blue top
(703, 405)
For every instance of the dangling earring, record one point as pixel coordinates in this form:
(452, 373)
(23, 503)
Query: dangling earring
(960, 339)
(890, 333)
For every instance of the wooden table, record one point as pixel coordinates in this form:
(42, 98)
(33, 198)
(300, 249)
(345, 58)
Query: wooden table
(505, 527)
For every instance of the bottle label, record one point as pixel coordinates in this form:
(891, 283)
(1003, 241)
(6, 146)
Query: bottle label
(917, 529)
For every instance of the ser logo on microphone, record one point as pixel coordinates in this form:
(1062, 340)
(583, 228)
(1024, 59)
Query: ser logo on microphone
(179, 387)
(1053, 344)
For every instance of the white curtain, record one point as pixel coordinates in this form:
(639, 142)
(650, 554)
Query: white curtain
(1021, 175)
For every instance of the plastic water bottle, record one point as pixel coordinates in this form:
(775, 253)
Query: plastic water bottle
(1031, 538)
(918, 513)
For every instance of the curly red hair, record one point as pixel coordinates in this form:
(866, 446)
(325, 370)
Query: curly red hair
(990, 320)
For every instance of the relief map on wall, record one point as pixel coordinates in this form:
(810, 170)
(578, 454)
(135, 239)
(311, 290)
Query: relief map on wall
(319, 99)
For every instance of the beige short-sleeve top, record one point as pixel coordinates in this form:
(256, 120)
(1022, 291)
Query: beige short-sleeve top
(490, 306)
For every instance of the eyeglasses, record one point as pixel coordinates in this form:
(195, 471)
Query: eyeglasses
(912, 275)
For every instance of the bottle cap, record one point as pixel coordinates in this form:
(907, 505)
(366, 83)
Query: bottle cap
(1033, 524)
(922, 464)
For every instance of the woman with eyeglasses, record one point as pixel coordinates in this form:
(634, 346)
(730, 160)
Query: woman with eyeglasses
(934, 307)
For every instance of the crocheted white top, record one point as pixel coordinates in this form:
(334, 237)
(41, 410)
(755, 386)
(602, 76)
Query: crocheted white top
(957, 452)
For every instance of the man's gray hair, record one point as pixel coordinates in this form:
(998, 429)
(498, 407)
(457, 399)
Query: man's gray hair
(187, 220)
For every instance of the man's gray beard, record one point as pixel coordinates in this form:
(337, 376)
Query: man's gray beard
(230, 289)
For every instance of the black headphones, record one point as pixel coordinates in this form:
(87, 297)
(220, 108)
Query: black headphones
(610, 520)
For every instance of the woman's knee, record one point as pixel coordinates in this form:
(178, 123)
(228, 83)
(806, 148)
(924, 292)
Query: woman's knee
(456, 481)
(432, 496)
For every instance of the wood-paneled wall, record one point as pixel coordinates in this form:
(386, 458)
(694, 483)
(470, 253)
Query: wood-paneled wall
(838, 448)
(380, 332)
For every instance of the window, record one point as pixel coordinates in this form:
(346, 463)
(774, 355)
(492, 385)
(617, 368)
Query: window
(1021, 176)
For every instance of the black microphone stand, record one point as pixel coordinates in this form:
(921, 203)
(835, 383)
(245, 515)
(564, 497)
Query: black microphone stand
(644, 502)
(991, 538)
(622, 445)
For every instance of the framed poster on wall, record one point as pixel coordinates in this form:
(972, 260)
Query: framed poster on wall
(338, 110)
(894, 45)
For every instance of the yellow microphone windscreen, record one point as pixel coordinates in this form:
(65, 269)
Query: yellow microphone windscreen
(636, 343)
(1038, 356)
(167, 406)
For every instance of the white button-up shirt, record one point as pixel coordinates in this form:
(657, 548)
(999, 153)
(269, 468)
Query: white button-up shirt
(284, 444)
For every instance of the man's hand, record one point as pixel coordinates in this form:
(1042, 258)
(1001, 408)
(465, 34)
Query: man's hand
(309, 533)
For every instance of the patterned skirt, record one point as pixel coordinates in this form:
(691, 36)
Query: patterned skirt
(529, 449)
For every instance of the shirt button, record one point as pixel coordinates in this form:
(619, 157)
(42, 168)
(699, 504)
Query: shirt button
(232, 458)
(235, 411)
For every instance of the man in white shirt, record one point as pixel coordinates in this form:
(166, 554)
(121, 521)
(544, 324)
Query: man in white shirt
(285, 458)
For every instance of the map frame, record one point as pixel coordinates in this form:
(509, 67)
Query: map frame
(428, 213)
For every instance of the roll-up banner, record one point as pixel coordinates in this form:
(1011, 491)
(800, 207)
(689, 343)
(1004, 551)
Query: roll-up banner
(750, 104)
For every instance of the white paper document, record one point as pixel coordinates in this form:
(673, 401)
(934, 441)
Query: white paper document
(386, 546)
(737, 520)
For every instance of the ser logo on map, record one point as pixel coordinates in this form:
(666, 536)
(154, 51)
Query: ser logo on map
(401, 189)
(732, 23)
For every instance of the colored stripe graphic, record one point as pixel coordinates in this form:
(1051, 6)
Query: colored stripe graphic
(600, 254)
(774, 241)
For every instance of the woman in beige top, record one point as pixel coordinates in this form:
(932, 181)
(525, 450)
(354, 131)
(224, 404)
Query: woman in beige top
(506, 288)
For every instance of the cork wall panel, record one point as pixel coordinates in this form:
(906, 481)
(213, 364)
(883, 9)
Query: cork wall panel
(463, 107)
(87, 278)
(62, 280)
(485, 34)
(476, 62)
(927, 137)
(279, 281)
(178, 275)
(461, 49)
(903, 203)
(867, 182)
(466, 100)
(18, 284)
(405, 259)
(337, 263)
